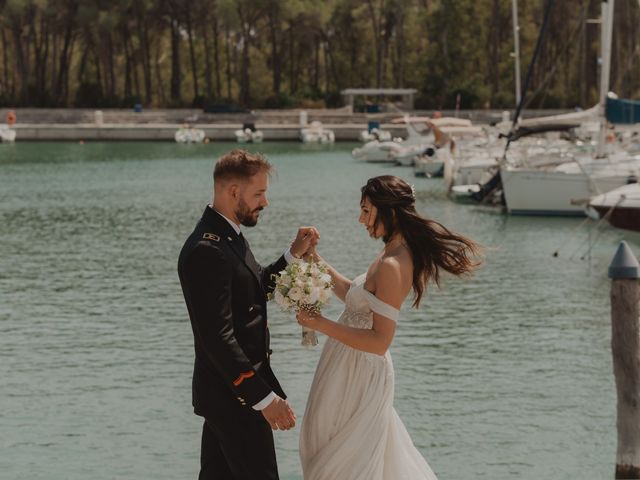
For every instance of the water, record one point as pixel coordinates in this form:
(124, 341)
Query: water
(505, 376)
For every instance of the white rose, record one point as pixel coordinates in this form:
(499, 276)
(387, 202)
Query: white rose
(299, 282)
(285, 279)
(295, 294)
(325, 294)
(326, 278)
(279, 298)
(313, 296)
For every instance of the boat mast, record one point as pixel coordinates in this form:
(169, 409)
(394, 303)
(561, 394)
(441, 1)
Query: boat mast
(516, 50)
(605, 62)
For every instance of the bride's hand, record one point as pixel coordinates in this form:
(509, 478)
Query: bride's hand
(308, 319)
(306, 239)
(312, 256)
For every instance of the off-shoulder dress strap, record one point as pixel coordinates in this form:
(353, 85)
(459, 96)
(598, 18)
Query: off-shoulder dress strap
(380, 307)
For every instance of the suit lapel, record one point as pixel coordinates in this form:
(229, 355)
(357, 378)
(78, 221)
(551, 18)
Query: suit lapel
(240, 248)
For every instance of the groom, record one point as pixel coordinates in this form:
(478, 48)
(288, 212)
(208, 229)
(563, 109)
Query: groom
(225, 289)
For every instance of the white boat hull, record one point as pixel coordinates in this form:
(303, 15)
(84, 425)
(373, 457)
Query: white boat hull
(539, 192)
(7, 135)
(189, 135)
(244, 136)
(473, 172)
(408, 155)
(427, 168)
(375, 134)
(375, 151)
(316, 133)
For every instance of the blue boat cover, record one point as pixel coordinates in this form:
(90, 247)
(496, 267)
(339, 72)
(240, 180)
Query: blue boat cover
(623, 111)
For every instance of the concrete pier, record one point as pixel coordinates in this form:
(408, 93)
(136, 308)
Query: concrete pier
(165, 132)
(160, 125)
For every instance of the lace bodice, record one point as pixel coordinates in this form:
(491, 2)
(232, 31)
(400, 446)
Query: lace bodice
(360, 305)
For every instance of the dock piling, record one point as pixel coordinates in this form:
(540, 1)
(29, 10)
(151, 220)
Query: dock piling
(625, 345)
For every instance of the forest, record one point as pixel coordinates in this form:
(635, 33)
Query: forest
(302, 53)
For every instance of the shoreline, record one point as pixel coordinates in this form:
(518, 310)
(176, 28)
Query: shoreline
(161, 124)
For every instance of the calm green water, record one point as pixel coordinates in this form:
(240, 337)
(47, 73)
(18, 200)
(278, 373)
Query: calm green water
(505, 376)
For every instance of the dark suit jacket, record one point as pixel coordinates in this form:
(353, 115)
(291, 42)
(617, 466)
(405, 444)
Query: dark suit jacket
(225, 291)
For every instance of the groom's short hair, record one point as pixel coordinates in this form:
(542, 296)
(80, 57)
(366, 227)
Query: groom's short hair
(239, 164)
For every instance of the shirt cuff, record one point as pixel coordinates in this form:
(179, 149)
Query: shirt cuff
(289, 258)
(265, 402)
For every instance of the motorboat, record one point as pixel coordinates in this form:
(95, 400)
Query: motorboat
(376, 151)
(316, 133)
(443, 131)
(464, 192)
(186, 134)
(396, 150)
(408, 155)
(7, 134)
(431, 162)
(621, 207)
(249, 134)
(375, 134)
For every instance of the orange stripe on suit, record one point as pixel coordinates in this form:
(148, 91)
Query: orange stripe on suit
(243, 377)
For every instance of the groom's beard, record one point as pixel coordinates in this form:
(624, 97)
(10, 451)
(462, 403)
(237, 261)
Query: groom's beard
(246, 216)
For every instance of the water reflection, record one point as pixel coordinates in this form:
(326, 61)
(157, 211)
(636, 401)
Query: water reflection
(506, 375)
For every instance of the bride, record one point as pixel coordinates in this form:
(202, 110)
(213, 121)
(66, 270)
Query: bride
(350, 430)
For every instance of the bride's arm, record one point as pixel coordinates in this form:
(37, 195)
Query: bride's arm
(341, 283)
(376, 340)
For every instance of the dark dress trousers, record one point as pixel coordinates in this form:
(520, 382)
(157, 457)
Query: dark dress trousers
(225, 291)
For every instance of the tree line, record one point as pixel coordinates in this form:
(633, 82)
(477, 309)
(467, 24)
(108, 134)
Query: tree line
(288, 53)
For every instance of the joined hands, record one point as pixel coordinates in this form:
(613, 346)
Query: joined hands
(305, 242)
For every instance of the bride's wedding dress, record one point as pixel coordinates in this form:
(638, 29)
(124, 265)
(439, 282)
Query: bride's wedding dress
(350, 430)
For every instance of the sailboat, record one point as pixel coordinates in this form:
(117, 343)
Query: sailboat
(563, 189)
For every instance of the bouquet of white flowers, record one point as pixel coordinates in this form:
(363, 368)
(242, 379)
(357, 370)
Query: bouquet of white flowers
(303, 286)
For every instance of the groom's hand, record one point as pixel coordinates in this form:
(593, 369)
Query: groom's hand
(279, 415)
(306, 239)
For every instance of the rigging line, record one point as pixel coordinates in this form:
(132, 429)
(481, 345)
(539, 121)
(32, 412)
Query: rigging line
(549, 76)
(570, 236)
(529, 75)
(599, 229)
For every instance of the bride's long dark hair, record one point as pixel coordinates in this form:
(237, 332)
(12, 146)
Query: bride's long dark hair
(433, 247)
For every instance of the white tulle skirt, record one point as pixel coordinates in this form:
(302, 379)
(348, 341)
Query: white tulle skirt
(350, 430)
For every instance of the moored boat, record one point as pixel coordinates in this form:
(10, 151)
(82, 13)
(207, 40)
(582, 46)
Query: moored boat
(248, 134)
(316, 133)
(621, 207)
(186, 134)
(7, 134)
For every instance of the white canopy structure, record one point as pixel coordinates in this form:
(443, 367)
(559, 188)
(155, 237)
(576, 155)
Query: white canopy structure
(407, 95)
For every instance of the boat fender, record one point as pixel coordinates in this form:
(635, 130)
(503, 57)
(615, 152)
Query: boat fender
(11, 117)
